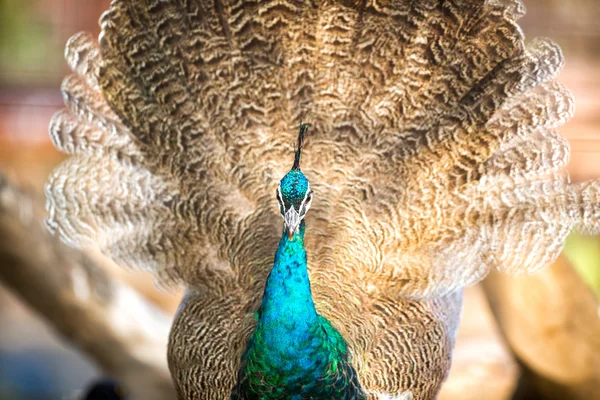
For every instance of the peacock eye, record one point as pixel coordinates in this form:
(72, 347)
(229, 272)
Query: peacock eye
(309, 198)
(306, 204)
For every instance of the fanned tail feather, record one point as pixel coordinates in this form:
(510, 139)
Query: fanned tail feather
(431, 148)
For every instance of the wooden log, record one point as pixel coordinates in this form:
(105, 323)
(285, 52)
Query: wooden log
(551, 322)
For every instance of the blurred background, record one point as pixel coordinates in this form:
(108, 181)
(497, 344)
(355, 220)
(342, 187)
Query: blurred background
(511, 345)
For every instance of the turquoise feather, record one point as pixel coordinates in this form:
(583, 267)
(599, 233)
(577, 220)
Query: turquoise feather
(294, 353)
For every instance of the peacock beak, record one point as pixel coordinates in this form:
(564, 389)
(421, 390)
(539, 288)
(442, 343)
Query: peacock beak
(291, 221)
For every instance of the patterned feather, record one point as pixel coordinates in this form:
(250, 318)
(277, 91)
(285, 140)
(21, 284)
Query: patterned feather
(432, 152)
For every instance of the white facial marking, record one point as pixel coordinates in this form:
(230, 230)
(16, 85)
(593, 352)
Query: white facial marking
(280, 201)
(291, 220)
(291, 216)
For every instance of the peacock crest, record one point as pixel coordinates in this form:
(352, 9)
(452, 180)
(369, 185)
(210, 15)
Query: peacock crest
(433, 151)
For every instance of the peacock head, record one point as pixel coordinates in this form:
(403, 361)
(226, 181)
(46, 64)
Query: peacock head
(294, 194)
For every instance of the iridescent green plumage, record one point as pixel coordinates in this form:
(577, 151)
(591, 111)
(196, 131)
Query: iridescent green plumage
(294, 352)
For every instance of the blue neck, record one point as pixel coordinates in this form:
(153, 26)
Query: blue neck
(287, 311)
(294, 352)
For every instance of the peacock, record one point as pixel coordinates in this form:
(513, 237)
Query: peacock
(427, 153)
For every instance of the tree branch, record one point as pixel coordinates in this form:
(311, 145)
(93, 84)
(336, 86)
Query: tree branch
(109, 321)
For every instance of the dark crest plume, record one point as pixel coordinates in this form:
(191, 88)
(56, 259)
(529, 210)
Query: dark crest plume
(303, 130)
